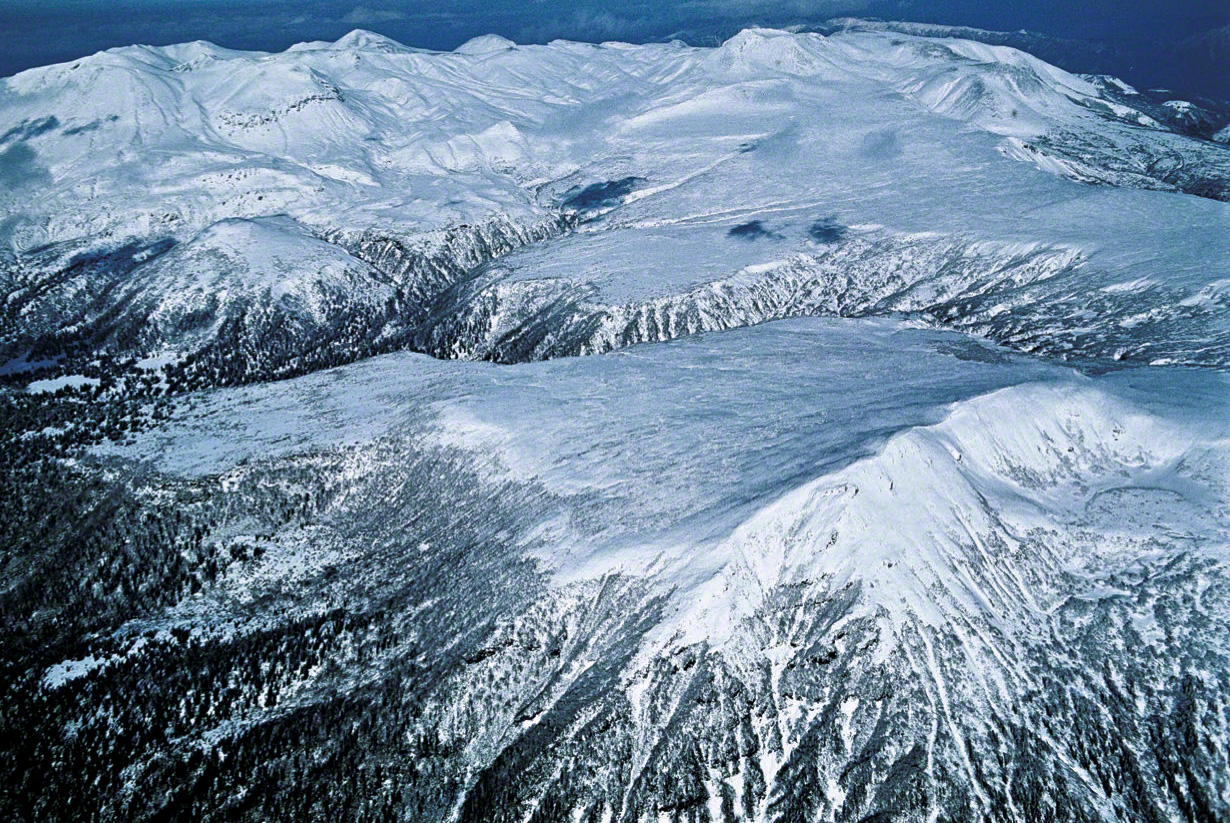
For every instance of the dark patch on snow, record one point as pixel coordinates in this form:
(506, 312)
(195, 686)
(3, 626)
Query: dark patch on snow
(880, 145)
(8, 228)
(19, 166)
(21, 365)
(974, 351)
(827, 230)
(599, 196)
(752, 230)
(30, 128)
(122, 259)
(94, 126)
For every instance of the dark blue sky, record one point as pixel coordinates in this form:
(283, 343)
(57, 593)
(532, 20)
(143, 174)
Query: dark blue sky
(1148, 36)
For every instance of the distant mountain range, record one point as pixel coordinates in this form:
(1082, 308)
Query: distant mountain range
(1194, 66)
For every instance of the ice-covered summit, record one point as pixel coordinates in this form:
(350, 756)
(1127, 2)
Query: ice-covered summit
(363, 40)
(485, 44)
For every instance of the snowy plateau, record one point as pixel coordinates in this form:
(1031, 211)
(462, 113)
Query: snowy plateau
(808, 428)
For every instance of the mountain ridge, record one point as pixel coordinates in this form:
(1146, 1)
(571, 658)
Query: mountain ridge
(306, 132)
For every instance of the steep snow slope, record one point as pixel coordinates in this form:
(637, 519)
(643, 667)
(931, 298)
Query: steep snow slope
(236, 268)
(827, 568)
(427, 165)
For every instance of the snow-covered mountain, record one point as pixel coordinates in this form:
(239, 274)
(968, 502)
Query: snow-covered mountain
(1193, 64)
(852, 445)
(420, 166)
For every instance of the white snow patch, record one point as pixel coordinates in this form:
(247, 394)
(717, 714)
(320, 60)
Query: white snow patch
(75, 381)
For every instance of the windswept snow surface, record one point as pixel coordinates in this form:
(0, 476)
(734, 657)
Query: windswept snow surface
(894, 540)
(852, 443)
(919, 151)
